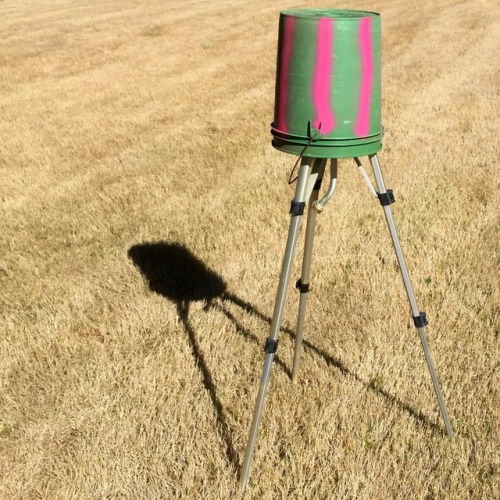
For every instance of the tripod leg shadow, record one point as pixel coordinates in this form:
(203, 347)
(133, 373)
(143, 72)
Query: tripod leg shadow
(248, 335)
(331, 361)
(208, 383)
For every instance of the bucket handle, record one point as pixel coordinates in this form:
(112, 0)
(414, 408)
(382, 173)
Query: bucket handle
(313, 136)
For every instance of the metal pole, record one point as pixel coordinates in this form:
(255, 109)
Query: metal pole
(303, 283)
(418, 317)
(297, 209)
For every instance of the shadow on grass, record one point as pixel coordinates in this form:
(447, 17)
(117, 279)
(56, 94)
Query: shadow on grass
(172, 271)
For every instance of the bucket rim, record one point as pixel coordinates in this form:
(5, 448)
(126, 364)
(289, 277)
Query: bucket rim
(344, 14)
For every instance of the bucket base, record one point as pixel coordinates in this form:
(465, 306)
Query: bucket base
(320, 149)
(314, 151)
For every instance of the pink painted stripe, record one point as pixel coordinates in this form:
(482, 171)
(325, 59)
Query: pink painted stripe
(284, 73)
(366, 51)
(323, 119)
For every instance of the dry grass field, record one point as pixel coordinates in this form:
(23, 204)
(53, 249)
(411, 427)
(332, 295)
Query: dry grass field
(143, 217)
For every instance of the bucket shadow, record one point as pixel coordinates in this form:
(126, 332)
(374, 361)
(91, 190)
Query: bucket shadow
(172, 271)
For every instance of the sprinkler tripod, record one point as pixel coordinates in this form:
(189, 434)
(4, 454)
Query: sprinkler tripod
(307, 194)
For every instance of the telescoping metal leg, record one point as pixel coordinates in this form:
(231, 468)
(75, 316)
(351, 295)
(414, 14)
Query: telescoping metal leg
(296, 210)
(386, 199)
(303, 283)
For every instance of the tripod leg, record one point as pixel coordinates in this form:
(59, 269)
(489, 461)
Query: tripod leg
(386, 199)
(297, 209)
(303, 282)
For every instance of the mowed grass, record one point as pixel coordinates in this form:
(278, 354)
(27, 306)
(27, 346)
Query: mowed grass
(143, 222)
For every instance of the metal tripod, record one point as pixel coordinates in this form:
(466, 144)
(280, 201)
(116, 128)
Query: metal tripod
(307, 193)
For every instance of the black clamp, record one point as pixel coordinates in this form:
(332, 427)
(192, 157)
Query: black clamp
(271, 346)
(420, 321)
(386, 198)
(297, 208)
(302, 287)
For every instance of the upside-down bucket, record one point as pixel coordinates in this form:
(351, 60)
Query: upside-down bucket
(328, 83)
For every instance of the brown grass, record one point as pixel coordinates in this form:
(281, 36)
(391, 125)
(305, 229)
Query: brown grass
(125, 123)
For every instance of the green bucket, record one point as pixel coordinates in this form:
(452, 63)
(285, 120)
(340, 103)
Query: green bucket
(328, 84)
